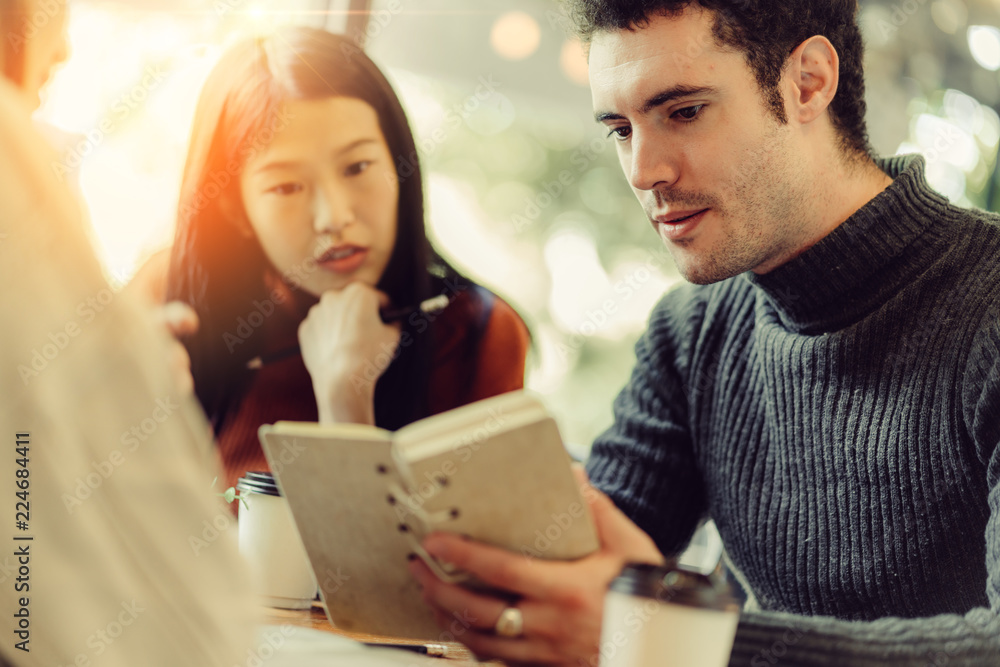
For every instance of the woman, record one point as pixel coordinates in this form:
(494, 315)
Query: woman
(295, 228)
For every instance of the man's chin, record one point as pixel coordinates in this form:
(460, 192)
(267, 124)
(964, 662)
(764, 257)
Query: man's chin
(701, 271)
(698, 278)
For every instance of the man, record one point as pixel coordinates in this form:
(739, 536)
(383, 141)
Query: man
(828, 389)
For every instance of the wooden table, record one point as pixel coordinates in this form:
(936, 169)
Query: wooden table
(315, 619)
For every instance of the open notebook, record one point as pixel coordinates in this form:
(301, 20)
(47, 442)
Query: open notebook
(363, 498)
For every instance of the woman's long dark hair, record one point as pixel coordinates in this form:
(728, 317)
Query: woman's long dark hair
(217, 264)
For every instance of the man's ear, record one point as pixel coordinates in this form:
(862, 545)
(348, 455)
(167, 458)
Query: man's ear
(812, 75)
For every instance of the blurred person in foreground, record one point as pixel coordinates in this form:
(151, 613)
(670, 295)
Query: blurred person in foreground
(115, 463)
(828, 387)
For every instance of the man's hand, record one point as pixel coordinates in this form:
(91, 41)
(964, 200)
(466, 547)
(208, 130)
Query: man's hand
(562, 603)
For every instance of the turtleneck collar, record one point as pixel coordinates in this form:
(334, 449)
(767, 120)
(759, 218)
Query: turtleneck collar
(852, 270)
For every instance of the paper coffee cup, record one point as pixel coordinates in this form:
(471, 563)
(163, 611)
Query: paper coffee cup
(271, 544)
(667, 617)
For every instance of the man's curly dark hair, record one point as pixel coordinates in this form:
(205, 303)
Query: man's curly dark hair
(766, 32)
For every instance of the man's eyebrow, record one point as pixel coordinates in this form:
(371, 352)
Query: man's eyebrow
(659, 99)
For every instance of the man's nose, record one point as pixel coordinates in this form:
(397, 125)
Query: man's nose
(654, 164)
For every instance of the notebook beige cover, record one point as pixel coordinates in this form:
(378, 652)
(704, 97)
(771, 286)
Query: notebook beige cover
(362, 498)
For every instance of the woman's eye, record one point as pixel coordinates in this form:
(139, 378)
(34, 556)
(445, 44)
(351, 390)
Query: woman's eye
(358, 167)
(620, 133)
(689, 113)
(286, 189)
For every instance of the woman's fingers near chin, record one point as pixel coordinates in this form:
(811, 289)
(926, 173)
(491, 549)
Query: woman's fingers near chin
(330, 296)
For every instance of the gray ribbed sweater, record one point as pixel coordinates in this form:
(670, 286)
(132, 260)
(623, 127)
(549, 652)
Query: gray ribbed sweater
(839, 419)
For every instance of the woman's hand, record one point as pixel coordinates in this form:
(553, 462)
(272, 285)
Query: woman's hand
(346, 347)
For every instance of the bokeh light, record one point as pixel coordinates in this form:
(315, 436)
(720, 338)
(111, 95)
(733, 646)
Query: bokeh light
(573, 62)
(984, 44)
(949, 15)
(515, 35)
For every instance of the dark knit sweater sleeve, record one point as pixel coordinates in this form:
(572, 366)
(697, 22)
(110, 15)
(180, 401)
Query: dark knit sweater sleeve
(969, 640)
(645, 462)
